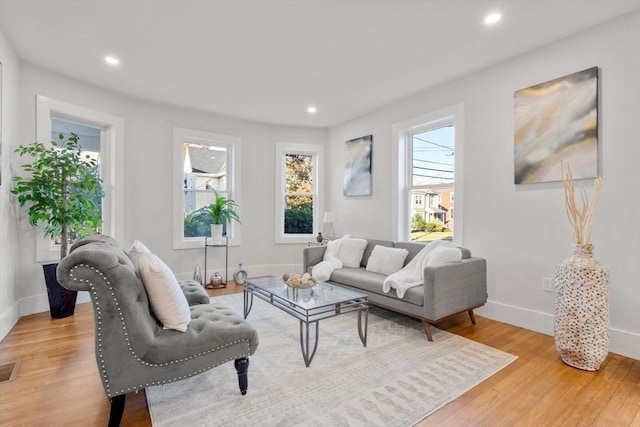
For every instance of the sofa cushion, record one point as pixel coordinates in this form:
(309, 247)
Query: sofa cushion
(369, 282)
(385, 260)
(371, 244)
(167, 300)
(412, 247)
(351, 251)
(444, 255)
(415, 247)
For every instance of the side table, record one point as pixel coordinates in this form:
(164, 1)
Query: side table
(224, 245)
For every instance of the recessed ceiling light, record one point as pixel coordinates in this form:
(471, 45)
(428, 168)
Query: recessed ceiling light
(111, 60)
(492, 18)
(312, 109)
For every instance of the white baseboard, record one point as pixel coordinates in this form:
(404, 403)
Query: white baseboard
(8, 320)
(625, 343)
(252, 271)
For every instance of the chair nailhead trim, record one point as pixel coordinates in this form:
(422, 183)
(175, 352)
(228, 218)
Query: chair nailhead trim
(103, 367)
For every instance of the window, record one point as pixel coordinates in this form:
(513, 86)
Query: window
(432, 170)
(299, 200)
(103, 135)
(428, 156)
(204, 162)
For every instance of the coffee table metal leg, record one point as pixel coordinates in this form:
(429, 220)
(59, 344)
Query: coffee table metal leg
(248, 303)
(304, 341)
(361, 332)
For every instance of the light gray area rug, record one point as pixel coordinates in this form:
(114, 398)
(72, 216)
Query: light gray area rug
(397, 380)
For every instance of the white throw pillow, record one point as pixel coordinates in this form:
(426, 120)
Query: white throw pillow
(331, 253)
(386, 260)
(167, 300)
(443, 255)
(137, 248)
(351, 252)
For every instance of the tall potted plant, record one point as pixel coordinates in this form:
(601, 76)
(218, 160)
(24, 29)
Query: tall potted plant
(222, 212)
(63, 192)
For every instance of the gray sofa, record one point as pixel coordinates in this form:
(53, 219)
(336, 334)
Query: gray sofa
(448, 289)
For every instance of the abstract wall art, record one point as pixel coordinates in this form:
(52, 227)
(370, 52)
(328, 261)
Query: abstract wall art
(357, 170)
(555, 124)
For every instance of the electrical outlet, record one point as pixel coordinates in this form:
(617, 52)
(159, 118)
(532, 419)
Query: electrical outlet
(547, 284)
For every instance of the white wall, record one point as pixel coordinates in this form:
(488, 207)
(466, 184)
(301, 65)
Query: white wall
(523, 231)
(8, 230)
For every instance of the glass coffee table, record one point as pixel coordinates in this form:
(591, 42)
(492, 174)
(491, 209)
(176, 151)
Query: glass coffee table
(309, 306)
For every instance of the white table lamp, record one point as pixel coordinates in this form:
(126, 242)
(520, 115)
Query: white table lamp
(329, 219)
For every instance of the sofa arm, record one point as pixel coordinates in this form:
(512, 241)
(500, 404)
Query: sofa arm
(312, 256)
(455, 287)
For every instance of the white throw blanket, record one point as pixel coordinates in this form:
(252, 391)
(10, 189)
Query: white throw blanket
(411, 275)
(322, 271)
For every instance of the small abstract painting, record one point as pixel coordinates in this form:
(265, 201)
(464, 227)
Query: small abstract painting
(556, 123)
(357, 170)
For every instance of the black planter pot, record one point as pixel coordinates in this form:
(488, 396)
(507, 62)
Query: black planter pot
(62, 301)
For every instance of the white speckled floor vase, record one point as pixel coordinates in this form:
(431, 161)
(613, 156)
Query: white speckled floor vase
(582, 309)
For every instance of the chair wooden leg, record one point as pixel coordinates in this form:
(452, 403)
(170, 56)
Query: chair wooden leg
(242, 366)
(117, 409)
(427, 329)
(472, 316)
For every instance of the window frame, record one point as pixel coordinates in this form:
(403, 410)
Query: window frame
(402, 167)
(317, 152)
(232, 144)
(111, 169)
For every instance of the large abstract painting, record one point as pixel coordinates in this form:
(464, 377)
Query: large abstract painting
(556, 124)
(357, 171)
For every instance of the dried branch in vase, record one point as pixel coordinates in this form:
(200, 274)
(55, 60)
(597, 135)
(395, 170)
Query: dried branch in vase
(581, 219)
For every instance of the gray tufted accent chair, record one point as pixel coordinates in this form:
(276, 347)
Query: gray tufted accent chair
(133, 351)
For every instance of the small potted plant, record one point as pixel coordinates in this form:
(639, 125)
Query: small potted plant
(63, 192)
(222, 213)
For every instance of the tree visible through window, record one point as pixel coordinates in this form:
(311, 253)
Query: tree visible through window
(89, 142)
(298, 212)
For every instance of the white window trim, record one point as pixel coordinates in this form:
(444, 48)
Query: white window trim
(401, 168)
(232, 143)
(318, 196)
(111, 168)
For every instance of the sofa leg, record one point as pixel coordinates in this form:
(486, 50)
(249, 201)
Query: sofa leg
(427, 329)
(472, 316)
(242, 366)
(117, 409)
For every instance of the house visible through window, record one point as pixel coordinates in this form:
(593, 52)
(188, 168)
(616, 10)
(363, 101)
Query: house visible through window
(205, 170)
(204, 162)
(432, 166)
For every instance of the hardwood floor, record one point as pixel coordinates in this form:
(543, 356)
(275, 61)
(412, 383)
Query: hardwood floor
(58, 384)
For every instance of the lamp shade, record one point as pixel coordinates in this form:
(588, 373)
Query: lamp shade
(329, 217)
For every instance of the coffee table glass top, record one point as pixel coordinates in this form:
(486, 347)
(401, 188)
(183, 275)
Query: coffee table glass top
(308, 305)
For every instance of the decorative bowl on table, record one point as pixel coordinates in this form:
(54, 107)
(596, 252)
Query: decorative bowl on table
(299, 281)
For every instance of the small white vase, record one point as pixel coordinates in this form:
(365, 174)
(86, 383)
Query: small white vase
(240, 275)
(216, 234)
(582, 309)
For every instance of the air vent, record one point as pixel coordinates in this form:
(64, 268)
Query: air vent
(8, 371)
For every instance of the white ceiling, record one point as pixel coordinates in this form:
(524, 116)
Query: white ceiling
(268, 60)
